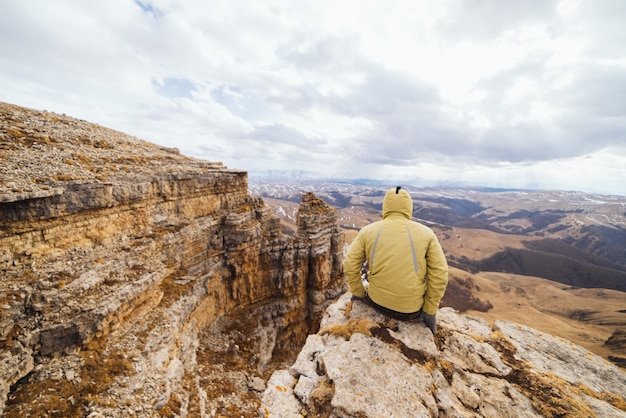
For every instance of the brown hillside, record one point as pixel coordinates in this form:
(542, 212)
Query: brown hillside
(587, 317)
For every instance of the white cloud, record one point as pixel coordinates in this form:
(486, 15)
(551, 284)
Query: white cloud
(524, 94)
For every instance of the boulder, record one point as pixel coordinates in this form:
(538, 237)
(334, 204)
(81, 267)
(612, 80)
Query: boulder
(363, 364)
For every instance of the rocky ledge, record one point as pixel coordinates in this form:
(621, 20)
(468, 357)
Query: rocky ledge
(362, 364)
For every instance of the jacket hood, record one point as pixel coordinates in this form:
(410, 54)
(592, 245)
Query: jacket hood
(397, 200)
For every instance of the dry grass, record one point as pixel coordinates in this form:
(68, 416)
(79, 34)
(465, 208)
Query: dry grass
(62, 278)
(81, 157)
(173, 290)
(548, 393)
(615, 400)
(353, 326)
(172, 408)
(67, 177)
(53, 400)
(320, 400)
(64, 398)
(348, 310)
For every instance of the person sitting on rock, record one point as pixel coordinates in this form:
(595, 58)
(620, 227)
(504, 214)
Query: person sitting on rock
(407, 272)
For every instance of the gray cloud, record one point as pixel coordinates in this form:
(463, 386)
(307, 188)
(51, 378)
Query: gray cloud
(277, 134)
(355, 87)
(484, 20)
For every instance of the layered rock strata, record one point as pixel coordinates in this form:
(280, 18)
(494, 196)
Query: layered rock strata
(127, 269)
(362, 364)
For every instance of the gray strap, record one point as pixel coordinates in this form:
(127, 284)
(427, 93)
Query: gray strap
(371, 263)
(415, 265)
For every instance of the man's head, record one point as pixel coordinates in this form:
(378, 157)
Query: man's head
(397, 200)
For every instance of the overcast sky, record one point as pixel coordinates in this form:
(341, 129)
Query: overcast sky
(523, 94)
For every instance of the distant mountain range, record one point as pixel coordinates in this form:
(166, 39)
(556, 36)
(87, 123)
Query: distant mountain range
(584, 231)
(312, 177)
(266, 176)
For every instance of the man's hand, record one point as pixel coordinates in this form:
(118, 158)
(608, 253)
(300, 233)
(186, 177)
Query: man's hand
(430, 321)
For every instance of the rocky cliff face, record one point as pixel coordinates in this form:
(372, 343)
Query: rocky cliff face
(139, 282)
(362, 364)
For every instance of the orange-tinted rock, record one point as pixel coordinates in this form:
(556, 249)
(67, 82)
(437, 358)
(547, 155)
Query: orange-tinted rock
(115, 248)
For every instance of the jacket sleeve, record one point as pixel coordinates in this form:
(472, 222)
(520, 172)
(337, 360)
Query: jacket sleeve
(353, 264)
(437, 271)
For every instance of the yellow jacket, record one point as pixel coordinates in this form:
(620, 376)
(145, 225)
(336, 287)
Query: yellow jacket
(407, 270)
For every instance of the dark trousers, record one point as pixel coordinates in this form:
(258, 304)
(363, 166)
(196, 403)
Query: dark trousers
(402, 316)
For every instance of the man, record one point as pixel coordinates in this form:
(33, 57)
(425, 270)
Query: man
(407, 270)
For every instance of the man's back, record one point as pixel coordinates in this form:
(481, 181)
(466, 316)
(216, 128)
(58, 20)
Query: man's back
(400, 253)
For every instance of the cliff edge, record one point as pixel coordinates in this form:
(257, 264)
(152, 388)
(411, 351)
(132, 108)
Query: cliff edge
(140, 282)
(362, 364)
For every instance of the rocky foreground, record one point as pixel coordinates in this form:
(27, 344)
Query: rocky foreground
(362, 364)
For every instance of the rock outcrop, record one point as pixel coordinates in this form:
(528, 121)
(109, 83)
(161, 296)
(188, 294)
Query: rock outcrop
(140, 282)
(362, 364)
